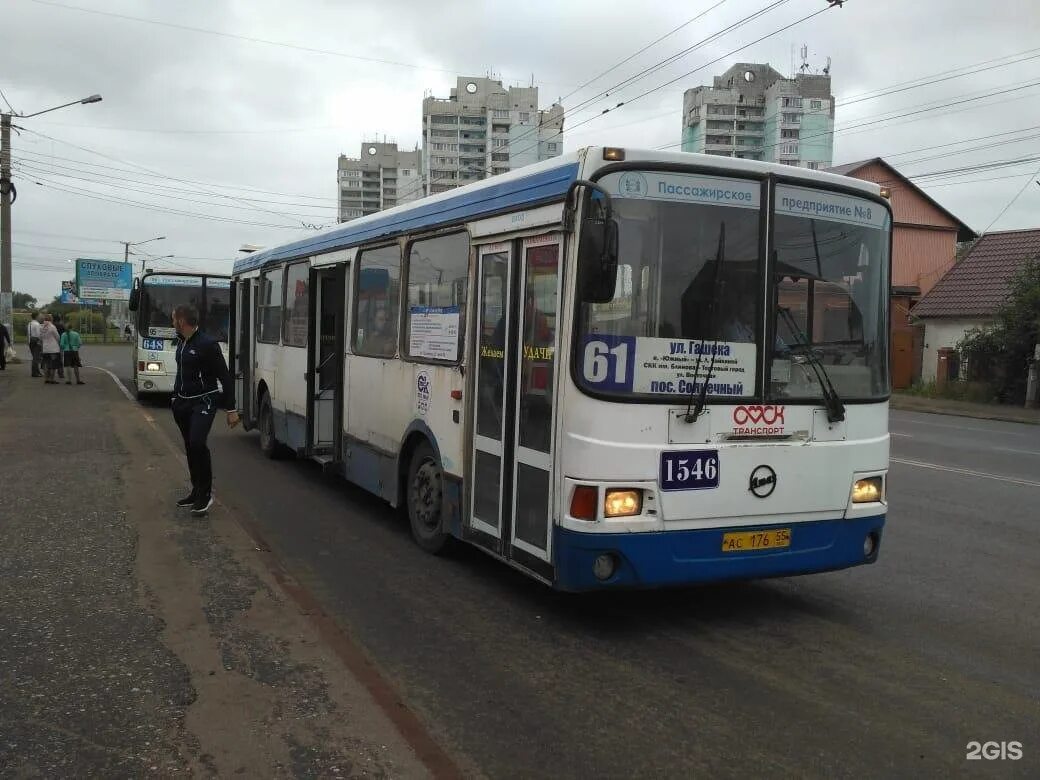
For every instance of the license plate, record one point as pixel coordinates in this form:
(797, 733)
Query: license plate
(743, 541)
(689, 470)
(154, 345)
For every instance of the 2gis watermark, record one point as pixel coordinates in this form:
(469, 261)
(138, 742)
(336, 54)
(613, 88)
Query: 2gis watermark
(993, 751)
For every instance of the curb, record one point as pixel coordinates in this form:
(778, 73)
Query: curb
(902, 405)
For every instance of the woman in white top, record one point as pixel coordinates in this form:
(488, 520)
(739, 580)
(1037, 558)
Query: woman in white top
(50, 344)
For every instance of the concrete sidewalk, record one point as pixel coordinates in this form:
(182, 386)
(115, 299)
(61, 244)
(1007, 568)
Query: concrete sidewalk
(914, 403)
(136, 640)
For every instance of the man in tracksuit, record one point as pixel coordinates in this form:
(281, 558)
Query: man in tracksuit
(196, 399)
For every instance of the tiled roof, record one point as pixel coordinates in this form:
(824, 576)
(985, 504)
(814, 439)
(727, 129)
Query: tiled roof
(964, 233)
(978, 284)
(848, 168)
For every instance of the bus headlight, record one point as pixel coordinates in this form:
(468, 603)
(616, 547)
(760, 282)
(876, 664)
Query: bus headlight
(153, 366)
(865, 491)
(623, 503)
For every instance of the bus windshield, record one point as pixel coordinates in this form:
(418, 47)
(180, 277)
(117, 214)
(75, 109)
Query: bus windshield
(688, 291)
(687, 307)
(162, 294)
(831, 275)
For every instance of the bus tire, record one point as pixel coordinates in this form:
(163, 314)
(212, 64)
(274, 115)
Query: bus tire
(423, 494)
(268, 443)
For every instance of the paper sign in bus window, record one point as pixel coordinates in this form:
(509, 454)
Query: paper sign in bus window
(433, 332)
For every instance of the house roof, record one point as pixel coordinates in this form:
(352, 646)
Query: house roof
(964, 233)
(978, 284)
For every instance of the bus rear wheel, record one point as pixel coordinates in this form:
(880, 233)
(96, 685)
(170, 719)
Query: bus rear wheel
(423, 499)
(268, 443)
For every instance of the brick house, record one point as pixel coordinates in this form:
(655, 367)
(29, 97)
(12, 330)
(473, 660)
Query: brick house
(970, 293)
(924, 245)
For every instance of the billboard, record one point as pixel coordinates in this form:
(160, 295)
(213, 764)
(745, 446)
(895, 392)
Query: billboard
(69, 295)
(104, 279)
(68, 292)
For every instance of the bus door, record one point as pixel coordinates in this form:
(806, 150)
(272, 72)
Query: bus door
(325, 361)
(241, 348)
(511, 484)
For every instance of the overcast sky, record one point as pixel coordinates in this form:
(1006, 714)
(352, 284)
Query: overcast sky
(247, 133)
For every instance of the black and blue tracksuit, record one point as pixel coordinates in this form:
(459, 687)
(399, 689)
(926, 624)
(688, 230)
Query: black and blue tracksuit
(196, 398)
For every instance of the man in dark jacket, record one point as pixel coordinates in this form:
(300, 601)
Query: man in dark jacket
(196, 398)
(5, 342)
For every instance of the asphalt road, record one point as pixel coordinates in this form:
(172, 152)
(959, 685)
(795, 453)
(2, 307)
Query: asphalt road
(888, 670)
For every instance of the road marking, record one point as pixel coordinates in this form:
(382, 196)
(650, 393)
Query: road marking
(1012, 449)
(965, 428)
(965, 472)
(115, 379)
(904, 435)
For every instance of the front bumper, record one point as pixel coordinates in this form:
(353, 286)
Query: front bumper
(669, 558)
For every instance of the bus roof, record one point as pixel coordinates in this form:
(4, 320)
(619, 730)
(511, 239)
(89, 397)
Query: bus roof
(523, 188)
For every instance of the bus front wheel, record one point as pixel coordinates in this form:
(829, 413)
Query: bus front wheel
(423, 499)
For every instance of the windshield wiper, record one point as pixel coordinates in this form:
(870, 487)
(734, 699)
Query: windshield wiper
(835, 407)
(720, 256)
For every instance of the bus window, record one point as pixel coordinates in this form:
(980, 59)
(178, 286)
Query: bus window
(218, 309)
(438, 273)
(270, 306)
(297, 305)
(378, 288)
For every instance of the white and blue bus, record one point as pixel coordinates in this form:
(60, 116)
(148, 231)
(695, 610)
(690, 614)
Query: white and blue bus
(152, 301)
(617, 368)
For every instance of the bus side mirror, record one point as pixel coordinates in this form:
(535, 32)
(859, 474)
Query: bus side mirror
(598, 259)
(135, 299)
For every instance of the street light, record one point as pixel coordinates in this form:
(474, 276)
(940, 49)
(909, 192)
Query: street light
(128, 244)
(7, 194)
(82, 102)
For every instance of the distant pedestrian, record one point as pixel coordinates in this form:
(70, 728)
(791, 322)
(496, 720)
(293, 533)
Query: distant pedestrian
(5, 344)
(50, 347)
(60, 327)
(33, 336)
(126, 332)
(70, 344)
(200, 366)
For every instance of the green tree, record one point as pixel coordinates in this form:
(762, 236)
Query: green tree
(1000, 352)
(23, 301)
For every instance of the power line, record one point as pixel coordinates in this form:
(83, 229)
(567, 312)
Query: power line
(55, 167)
(647, 71)
(963, 141)
(653, 43)
(242, 187)
(873, 122)
(701, 67)
(8, 102)
(971, 181)
(195, 131)
(136, 165)
(151, 206)
(33, 170)
(102, 252)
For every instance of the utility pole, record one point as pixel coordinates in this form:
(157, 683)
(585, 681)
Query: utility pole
(6, 199)
(6, 289)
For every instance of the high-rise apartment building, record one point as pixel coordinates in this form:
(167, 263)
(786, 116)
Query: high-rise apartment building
(380, 178)
(484, 129)
(751, 111)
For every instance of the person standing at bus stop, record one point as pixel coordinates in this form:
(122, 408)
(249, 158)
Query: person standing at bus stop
(50, 346)
(33, 336)
(196, 398)
(70, 344)
(5, 344)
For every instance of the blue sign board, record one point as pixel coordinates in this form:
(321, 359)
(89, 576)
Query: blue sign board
(104, 279)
